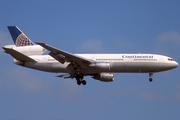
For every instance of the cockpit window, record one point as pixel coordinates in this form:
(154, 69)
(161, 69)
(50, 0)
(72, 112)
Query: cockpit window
(170, 59)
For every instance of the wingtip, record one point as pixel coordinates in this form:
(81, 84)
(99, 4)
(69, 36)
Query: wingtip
(37, 42)
(40, 43)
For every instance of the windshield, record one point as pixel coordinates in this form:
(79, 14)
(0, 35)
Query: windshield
(170, 59)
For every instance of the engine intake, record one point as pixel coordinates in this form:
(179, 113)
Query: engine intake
(104, 77)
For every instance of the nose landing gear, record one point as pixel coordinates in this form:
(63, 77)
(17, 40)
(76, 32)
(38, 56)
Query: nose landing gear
(150, 77)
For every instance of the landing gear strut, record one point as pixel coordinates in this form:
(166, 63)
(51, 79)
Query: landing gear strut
(150, 77)
(79, 77)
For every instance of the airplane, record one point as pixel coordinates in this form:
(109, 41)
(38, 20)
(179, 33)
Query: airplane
(100, 66)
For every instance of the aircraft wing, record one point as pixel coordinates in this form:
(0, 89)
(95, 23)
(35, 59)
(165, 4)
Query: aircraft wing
(63, 56)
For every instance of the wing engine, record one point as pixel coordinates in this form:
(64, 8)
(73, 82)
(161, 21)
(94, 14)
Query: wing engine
(100, 65)
(104, 77)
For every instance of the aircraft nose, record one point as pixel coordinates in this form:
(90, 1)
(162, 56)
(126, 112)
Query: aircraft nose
(174, 64)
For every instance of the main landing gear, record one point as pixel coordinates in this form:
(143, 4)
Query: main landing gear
(150, 77)
(81, 82)
(79, 77)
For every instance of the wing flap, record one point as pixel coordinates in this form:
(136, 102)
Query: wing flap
(63, 56)
(17, 55)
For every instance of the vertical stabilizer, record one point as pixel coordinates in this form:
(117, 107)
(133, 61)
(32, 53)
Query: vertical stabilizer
(19, 38)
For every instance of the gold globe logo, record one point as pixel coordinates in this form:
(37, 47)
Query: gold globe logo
(22, 40)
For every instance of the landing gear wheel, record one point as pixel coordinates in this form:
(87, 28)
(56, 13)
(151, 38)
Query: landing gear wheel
(79, 82)
(150, 79)
(84, 82)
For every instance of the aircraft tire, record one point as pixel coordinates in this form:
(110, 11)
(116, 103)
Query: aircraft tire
(84, 82)
(79, 82)
(150, 79)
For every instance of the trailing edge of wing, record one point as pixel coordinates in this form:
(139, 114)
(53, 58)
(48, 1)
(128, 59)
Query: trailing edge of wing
(17, 55)
(66, 56)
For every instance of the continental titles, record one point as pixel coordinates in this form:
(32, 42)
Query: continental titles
(137, 56)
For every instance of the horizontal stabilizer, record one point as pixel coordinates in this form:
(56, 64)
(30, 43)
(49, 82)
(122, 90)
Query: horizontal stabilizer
(17, 55)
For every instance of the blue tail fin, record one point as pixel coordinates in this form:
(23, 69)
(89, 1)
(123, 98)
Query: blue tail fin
(19, 38)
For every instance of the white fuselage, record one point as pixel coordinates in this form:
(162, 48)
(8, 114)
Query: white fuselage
(113, 63)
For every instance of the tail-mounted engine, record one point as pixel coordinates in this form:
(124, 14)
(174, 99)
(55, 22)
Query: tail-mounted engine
(104, 77)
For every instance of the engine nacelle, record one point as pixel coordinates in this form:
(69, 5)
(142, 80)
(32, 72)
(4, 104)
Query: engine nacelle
(100, 65)
(104, 77)
(28, 50)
